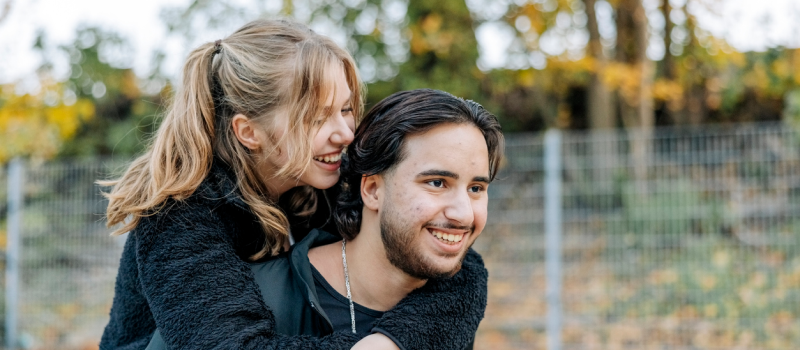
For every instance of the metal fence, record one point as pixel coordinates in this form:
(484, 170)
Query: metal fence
(680, 239)
(67, 262)
(688, 242)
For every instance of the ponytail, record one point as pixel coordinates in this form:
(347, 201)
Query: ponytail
(181, 153)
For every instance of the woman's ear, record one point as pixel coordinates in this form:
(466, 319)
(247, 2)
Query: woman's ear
(371, 191)
(248, 134)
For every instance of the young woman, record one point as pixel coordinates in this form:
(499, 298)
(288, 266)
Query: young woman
(264, 111)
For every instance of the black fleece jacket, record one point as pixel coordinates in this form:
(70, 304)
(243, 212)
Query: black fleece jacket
(184, 270)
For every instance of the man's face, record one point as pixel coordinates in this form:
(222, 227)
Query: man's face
(435, 200)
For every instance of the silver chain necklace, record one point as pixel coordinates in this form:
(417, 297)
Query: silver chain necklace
(347, 284)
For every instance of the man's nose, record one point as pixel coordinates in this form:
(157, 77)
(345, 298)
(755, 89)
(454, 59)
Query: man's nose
(460, 209)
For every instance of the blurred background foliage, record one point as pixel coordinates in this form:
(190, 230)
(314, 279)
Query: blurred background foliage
(572, 64)
(575, 64)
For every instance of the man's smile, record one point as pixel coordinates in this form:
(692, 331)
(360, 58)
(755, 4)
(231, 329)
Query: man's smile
(447, 236)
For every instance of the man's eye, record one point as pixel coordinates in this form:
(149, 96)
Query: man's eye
(436, 183)
(476, 189)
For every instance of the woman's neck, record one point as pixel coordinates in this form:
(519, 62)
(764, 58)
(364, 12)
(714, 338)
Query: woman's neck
(278, 187)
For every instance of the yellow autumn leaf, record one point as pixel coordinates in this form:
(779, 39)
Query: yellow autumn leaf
(667, 90)
(129, 87)
(431, 23)
(37, 124)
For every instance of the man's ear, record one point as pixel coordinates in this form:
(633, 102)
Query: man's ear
(248, 134)
(371, 191)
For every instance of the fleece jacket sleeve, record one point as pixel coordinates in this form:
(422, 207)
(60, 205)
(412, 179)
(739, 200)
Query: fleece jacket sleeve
(130, 323)
(202, 295)
(444, 314)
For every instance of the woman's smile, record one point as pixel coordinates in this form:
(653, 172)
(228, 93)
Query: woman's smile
(331, 161)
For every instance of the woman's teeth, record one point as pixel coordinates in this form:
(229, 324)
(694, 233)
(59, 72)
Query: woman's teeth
(329, 158)
(447, 237)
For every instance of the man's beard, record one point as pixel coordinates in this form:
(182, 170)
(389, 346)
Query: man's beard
(405, 255)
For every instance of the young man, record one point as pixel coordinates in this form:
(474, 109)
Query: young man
(413, 201)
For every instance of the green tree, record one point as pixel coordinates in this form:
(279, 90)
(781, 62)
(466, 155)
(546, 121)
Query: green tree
(100, 73)
(442, 52)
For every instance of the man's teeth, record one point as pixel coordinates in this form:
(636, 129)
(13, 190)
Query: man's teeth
(329, 158)
(447, 236)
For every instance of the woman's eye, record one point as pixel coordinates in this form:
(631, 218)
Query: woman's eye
(347, 110)
(436, 183)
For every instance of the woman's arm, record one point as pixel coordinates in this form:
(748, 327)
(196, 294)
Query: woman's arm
(202, 295)
(443, 314)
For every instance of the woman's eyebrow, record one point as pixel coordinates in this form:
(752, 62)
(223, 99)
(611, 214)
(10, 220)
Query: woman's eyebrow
(328, 110)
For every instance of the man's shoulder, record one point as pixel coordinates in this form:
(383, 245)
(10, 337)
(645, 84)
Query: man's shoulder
(285, 268)
(317, 237)
(278, 262)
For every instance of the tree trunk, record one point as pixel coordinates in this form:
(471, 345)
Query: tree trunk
(601, 114)
(642, 151)
(696, 93)
(627, 53)
(638, 115)
(600, 107)
(667, 64)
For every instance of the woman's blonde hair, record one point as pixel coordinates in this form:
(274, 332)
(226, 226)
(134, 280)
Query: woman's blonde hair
(266, 67)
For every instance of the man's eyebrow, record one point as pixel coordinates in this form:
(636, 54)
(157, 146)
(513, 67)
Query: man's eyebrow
(452, 175)
(484, 179)
(442, 173)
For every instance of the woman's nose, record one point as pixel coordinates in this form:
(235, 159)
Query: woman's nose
(343, 130)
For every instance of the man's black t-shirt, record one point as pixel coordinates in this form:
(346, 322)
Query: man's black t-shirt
(337, 307)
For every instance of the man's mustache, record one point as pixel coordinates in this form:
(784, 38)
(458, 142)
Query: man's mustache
(450, 225)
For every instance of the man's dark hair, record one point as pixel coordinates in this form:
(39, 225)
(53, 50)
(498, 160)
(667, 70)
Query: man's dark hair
(379, 139)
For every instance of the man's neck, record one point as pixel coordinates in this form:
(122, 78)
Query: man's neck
(374, 282)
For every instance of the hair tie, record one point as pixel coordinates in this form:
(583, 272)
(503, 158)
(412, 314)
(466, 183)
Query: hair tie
(217, 46)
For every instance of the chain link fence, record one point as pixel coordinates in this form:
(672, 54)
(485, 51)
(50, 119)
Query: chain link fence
(67, 262)
(679, 239)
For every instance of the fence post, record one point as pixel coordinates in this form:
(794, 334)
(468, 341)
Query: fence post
(16, 178)
(552, 228)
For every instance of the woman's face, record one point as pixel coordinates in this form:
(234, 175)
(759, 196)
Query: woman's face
(332, 132)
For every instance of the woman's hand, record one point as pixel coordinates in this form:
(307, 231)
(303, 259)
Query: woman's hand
(375, 341)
